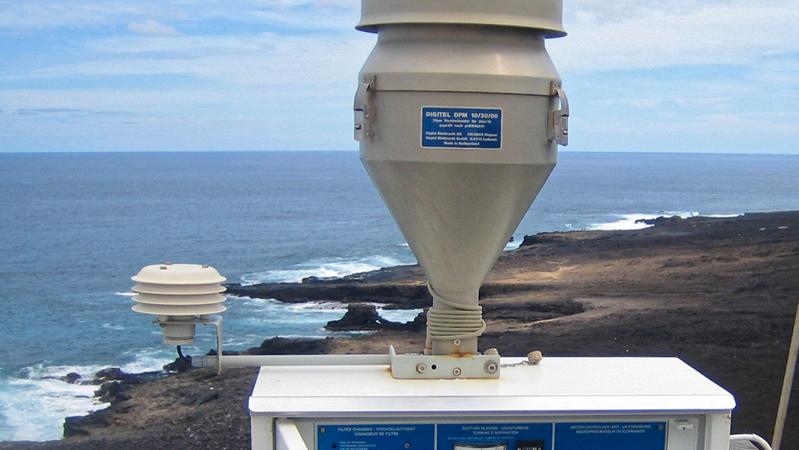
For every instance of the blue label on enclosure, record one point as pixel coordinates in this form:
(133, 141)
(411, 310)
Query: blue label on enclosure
(611, 436)
(516, 436)
(463, 128)
(375, 437)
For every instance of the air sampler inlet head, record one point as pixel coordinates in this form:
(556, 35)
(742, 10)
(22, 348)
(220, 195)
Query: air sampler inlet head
(459, 112)
(178, 295)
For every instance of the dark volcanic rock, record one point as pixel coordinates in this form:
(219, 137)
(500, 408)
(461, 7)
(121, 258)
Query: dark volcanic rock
(364, 317)
(75, 426)
(359, 316)
(291, 346)
(660, 220)
(396, 294)
(81, 425)
(179, 365)
(110, 374)
(720, 293)
(542, 239)
(71, 378)
(113, 391)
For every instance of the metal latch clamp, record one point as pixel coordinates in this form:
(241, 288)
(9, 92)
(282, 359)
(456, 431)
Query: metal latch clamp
(558, 123)
(363, 111)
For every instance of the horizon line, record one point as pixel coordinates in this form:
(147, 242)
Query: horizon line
(79, 152)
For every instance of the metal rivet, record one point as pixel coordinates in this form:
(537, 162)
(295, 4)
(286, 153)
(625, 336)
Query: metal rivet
(456, 371)
(421, 367)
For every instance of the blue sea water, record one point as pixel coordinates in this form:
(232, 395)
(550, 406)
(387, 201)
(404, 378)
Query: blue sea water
(75, 227)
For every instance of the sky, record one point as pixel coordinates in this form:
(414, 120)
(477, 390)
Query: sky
(177, 75)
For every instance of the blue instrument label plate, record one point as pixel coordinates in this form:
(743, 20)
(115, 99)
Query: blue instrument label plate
(375, 437)
(511, 436)
(611, 436)
(461, 128)
(505, 436)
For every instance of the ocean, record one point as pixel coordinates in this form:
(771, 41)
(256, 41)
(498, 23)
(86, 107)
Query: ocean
(75, 227)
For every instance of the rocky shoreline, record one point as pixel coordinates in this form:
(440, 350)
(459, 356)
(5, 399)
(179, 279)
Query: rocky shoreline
(717, 292)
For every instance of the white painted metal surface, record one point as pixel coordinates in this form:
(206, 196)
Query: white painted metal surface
(287, 436)
(555, 386)
(543, 15)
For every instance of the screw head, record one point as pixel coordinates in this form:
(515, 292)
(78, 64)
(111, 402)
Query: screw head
(421, 367)
(457, 371)
(456, 342)
(491, 367)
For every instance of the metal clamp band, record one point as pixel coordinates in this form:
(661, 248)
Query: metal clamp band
(558, 129)
(363, 113)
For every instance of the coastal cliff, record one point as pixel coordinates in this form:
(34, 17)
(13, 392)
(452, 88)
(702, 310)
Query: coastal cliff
(717, 292)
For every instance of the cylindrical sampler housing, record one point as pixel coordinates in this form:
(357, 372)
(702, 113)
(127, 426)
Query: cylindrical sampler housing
(459, 112)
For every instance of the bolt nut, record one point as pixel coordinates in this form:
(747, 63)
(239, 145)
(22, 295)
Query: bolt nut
(421, 367)
(491, 367)
(457, 371)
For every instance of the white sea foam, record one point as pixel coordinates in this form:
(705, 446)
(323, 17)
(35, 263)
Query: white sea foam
(35, 402)
(322, 268)
(273, 304)
(722, 216)
(35, 408)
(634, 221)
(125, 294)
(631, 221)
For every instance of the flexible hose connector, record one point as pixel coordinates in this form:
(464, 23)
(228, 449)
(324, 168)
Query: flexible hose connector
(459, 322)
(762, 443)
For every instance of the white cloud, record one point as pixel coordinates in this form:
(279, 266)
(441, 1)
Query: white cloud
(644, 35)
(151, 28)
(20, 16)
(247, 74)
(646, 103)
(289, 62)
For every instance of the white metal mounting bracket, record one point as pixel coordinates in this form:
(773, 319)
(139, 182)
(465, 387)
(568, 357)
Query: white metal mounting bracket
(417, 366)
(363, 110)
(558, 121)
